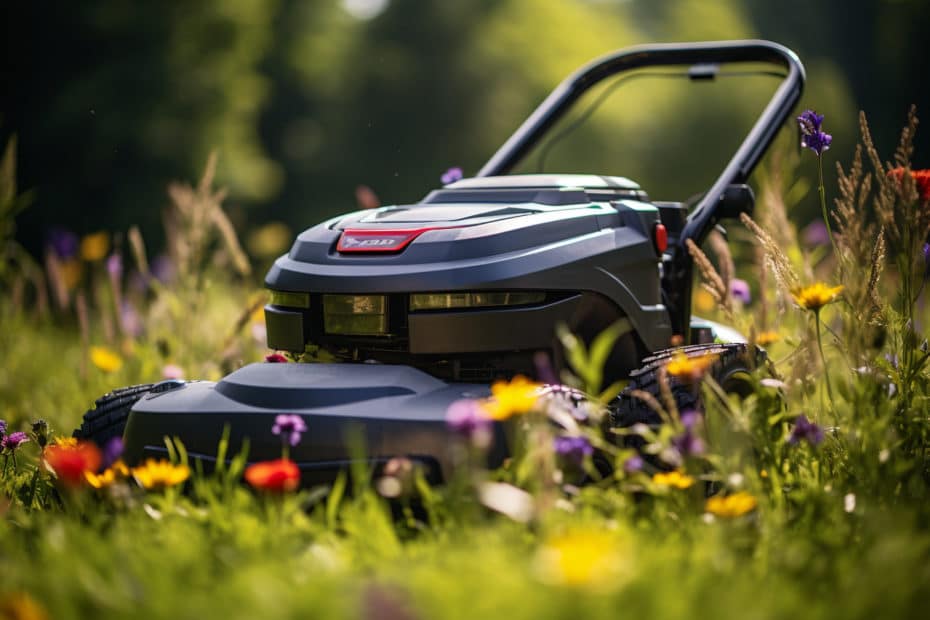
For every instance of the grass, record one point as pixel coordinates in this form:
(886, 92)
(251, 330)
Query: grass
(831, 528)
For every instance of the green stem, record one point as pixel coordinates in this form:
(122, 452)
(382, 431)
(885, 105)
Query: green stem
(826, 372)
(823, 205)
(32, 488)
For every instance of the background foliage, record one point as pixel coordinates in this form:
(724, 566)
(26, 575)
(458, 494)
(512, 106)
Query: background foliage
(306, 99)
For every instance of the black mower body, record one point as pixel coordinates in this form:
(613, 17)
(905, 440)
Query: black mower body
(421, 305)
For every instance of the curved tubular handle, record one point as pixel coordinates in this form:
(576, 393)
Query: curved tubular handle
(676, 281)
(666, 54)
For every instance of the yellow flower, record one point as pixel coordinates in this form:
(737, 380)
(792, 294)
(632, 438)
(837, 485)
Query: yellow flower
(95, 246)
(105, 359)
(704, 301)
(767, 337)
(117, 471)
(582, 558)
(510, 399)
(731, 506)
(70, 271)
(675, 479)
(21, 606)
(159, 474)
(66, 442)
(816, 296)
(687, 368)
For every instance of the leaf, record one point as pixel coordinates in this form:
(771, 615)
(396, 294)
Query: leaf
(335, 498)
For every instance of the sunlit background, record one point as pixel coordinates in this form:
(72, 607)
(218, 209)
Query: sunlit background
(306, 100)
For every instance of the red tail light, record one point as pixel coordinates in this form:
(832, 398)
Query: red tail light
(660, 236)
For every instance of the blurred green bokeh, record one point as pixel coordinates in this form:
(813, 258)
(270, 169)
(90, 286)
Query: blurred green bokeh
(306, 100)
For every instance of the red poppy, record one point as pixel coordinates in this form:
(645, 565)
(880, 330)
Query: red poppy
(921, 179)
(71, 461)
(276, 476)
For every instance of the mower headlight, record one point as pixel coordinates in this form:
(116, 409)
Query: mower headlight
(355, 315)
(446, 301)
(290, 300)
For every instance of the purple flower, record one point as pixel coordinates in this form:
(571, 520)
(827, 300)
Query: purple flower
(805, 430)
(740, 290)
(2, 428)
(130, 319)
(633, 464)
(688, 443)
(466, 418)
(115, 265)
(289, 427)
(163, 269)
(816, 233)
(812, 137)
(13, 440)
(63, 242)
(451, 175)
(573, 449)
(927, 258)
(112, 451)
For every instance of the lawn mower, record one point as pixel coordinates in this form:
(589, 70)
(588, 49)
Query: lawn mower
(424, 304)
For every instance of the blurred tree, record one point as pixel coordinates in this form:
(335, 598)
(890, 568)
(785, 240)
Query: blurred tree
(115, 99)
(308, 99)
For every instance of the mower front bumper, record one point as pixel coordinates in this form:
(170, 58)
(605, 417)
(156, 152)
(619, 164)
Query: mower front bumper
(370, 411)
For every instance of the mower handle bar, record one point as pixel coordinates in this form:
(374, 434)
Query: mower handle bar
(702, 218)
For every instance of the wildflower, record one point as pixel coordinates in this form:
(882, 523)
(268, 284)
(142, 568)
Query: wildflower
(849, 502)
(816, 296)
(21, 606)
(815, 234)
(63, 242)
(704, 301)
(66, 442)
(688, 443)
(739, 289)
(275, 358)
(451, 175)
(573, 449)
(689, 368)
(160, 474)
(163, 269)
(921, 180)
(513, 398)
(39, 430)
(633, 464)
(767, 337)
(105, 359)
(2, 428)
(275, 476)
(106, 478)
(12, 441)
(467, 419)
(289, 427)
(399, 476)
(805, 430)
(130, 319)
(115, 266)
(95, 246)
(731, 506)
(583, 558)
(812, 137)
(674, 478)
(70, 460)
(112, 451)
(172, 371)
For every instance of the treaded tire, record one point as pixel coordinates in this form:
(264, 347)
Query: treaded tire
(107, 419)
(732, 365)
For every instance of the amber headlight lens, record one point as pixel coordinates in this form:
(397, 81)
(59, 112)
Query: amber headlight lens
(355, 315)
(290, 300)
(445, 301)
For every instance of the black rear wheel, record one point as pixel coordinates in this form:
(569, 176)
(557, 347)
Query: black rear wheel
(731, 371)
(107, 419)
